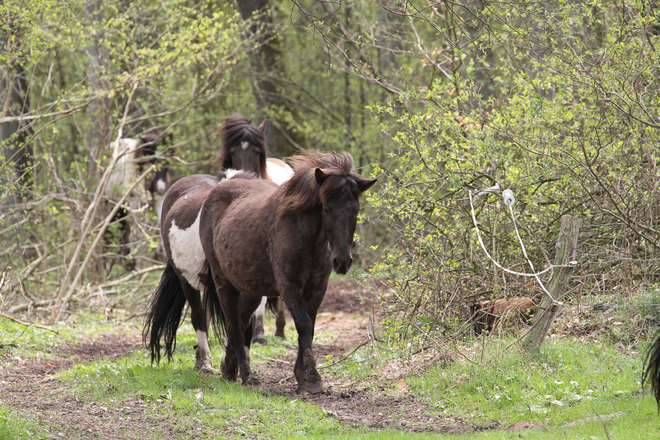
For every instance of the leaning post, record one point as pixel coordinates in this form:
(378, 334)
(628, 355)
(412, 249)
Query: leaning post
(566, 249)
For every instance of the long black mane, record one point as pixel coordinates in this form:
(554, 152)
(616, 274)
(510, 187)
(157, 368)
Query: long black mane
(235, 130)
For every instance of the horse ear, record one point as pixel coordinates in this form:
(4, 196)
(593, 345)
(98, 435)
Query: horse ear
(365, 184)
(320, 176)
(262, 126)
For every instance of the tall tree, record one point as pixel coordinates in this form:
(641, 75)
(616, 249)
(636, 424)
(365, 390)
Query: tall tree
(282, 137)
(15, 102)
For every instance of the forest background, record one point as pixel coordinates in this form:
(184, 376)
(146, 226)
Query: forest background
(556, 100)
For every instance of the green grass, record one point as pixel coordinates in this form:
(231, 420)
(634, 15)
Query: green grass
(225, 407)
(12, 426)
(561, 384)
(567, 382)
(19, 342)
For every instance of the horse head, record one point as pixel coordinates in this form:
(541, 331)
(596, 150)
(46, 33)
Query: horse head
(329, 183)
(243, 145)
(147, 153)
(340, 200)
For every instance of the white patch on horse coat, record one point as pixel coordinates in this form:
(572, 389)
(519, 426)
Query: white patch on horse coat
(277, 173)
(244, 145)
(161, 187)
(187, 253)
(203, 345)
(159, 206)
(125, 170)
(230, 173)
(259, 313)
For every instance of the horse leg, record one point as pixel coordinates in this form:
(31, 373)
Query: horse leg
(235, 355)
(280, 321)
(229, 365)
(200, 324)
(125, 241)
(304, 317)
(258, 336)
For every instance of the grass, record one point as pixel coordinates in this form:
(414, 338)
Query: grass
(221, 406)
(568, 381)
(12, 426)
(19, 342)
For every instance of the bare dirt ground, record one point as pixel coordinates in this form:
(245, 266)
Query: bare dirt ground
(345, 321)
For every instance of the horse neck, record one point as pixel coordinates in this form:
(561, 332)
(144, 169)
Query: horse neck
(312, 230)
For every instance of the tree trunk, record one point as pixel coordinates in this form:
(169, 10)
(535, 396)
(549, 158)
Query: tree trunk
(281, 139)
(15, 148)
(566, 247)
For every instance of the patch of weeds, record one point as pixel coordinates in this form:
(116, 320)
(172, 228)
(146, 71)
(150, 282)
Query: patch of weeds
(178, 390)
(13, 427)
(566, 382)
(20, 343)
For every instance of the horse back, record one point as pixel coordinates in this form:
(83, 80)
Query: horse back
(235, 225)
(185, 194)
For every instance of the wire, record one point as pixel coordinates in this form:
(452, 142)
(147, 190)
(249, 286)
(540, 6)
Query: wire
(535, 274)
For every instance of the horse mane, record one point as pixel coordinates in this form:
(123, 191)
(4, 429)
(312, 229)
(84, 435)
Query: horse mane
(237, 128)
(302, 192)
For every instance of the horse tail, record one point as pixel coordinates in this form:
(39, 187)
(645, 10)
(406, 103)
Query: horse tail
(164, 315)
(211, 304)
(652, 368)
(271, 303)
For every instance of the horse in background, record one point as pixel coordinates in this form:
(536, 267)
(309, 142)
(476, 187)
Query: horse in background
(276, 171)
(243, 147)
(263, 240)
(651, 371)
(140, 154)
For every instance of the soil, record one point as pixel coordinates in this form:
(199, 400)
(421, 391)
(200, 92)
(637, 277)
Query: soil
(344, 321)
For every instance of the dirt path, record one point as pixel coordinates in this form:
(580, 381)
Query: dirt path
(342, 325)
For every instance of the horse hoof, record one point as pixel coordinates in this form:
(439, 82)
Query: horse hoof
(206, 371)
(312, 387)
(251, 381)
(261, 339)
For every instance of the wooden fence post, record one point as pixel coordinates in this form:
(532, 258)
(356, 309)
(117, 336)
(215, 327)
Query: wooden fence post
(566, 247)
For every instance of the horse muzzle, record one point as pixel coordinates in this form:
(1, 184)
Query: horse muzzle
(342, 266)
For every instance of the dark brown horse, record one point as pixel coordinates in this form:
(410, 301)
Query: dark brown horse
(244, 147)
(651, 372)
(262, 240)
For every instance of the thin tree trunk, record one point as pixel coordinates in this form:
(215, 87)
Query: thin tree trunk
(14, 142)
(566, 248)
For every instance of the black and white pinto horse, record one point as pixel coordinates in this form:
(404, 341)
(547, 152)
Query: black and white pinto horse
(183, 279)
(137, 155)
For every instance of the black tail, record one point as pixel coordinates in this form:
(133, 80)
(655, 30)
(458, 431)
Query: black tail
(164, 314)
(271, 303)
(652, 369)
(212, 304)
(214, 309)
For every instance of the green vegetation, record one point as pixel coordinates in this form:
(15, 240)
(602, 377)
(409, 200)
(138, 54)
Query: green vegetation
(12, 426)
(570, 381)
(557, 101)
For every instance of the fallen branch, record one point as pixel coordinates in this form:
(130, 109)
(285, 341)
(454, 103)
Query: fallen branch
(21, 307)
(28, 324)
(270, 359)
